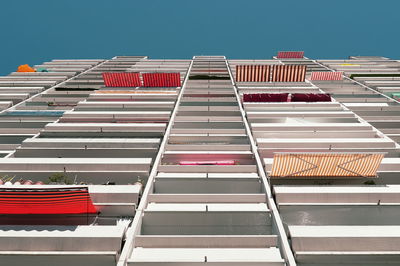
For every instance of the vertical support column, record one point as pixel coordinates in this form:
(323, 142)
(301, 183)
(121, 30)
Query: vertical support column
(285, 247)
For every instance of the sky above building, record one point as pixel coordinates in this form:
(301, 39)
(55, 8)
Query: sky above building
(37, 31)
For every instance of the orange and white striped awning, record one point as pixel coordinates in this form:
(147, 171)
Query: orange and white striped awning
(288, 73)
(325, 164)
(327, 75)
(252, 73)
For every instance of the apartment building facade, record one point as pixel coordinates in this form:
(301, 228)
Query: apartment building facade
(211, 161)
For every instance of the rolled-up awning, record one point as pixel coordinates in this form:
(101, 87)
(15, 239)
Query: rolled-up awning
(325, 164)
(74, 200)
(124, 79)
(265, 97)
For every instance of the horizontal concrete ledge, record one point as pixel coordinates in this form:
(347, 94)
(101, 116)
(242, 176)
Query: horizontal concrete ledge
(206, 241)
(59, 258)
(345, 238)
(265, 114)
(74, 164)
(92, 142)
(208, 207)
(114, 114)
(207, 198)
(326, 143)
(372, 258)
(61, 238)
(214, 256)
(208, 175)
(337, 194)
(57, 253)
(309, 126)
(208, 147)
(106, 127)
(126, 104)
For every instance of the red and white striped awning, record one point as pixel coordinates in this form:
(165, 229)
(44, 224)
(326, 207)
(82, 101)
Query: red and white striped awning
(124, 79)
(161, 79)
(73, 200)
(288, 73)
(328, 75)
(292, 165)
(252, 73)
(290, 54)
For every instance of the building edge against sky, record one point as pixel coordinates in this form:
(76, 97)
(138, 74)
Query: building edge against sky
(140, 161)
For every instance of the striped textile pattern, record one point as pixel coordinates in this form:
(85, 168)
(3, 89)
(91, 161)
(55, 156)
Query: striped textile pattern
(290, 54)
(161, 79)
(320, 76)
(252, 73)
(133, 92)
(326, 164)
(46, 201)
(124, 79)
(288, 73)
(224, 162)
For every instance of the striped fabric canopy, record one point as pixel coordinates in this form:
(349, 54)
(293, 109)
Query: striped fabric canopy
(325, 164)
(133, 92)
(224, 162)
(124, 79)
(74, 200)
(290, 54)
(328, 75)
(252, 73)
(161, 79)
(288, 73)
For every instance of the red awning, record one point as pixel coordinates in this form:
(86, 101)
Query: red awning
(161, 79)
(46, 201)
(327, 75)
(290, 54)
(124, 79)
(265, 97)
(311, 97)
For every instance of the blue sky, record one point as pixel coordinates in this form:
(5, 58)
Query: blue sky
(41, 30)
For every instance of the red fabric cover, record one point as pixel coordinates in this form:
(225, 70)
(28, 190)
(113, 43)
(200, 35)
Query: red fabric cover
(327, 75)
(311, 97)
(225, 162)
(46, 201)
(124, 79)
(161, 79)
(265, 97)
(290, 54)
